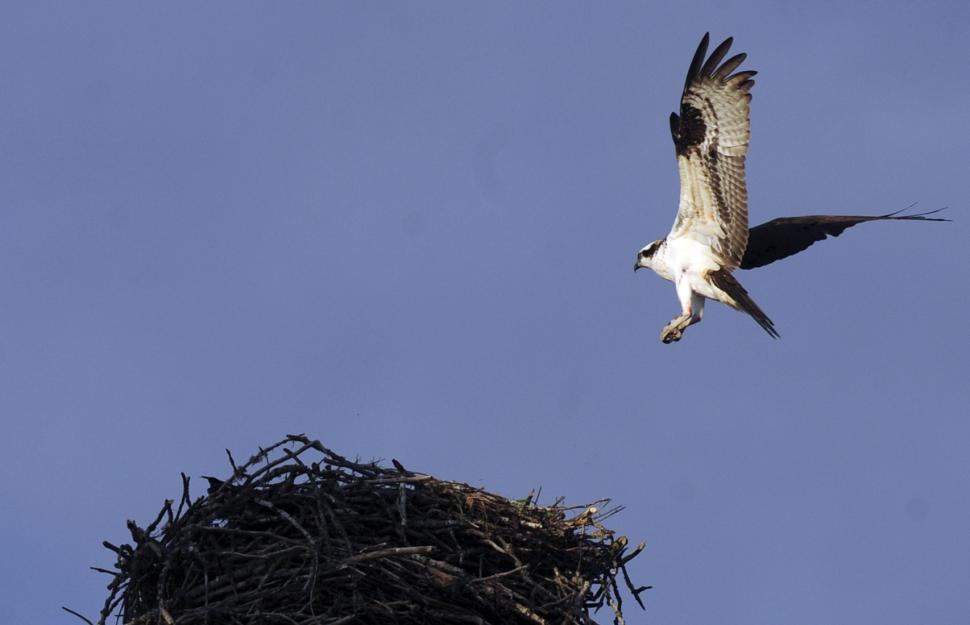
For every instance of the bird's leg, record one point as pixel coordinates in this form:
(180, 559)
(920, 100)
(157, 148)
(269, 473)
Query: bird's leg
(692, 311)
(697, 307)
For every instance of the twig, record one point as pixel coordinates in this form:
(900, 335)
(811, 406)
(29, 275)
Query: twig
(78, 614)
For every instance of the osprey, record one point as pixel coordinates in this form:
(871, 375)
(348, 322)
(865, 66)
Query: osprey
(710, 236)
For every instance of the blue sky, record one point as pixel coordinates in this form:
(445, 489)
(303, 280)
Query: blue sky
(407, 229)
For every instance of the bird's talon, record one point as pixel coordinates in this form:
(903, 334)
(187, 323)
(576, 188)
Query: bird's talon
(672, 333)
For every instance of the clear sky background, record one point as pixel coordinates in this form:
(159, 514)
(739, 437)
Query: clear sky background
(407, 229)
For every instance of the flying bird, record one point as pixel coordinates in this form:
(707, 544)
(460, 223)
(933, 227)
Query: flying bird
(710, 237)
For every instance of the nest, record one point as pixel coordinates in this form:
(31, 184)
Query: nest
(300, 535)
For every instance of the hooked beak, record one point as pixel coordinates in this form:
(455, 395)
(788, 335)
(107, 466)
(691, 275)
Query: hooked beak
(636, 266)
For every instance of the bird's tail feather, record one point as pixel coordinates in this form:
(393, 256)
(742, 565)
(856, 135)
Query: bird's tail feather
(723, 280)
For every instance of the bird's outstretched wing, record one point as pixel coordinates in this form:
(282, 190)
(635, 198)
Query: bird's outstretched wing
(782, 237)
(711, 138)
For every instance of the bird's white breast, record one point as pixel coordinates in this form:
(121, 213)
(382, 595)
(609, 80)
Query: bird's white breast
(688, 255)
(690, 259)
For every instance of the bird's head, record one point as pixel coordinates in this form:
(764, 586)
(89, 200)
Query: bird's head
(647, 256)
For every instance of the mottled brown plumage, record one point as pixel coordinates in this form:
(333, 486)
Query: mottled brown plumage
(711, 138)
(723, 280)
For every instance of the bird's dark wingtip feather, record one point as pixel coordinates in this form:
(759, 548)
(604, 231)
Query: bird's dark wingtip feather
(719, 53)
(916, 216)
(728, 66)
(698, 60)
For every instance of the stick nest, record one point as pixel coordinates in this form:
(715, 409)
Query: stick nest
(301, 535)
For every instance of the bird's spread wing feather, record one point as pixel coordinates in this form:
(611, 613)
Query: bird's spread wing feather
(711, 138)
(782, 237)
